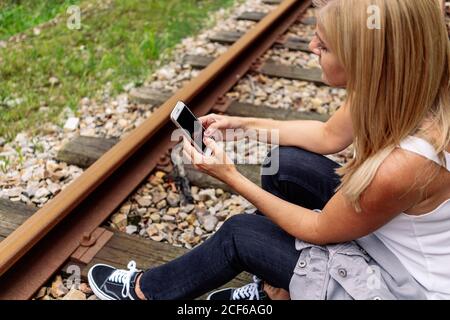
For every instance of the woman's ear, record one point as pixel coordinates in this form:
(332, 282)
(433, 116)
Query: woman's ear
(314, 46)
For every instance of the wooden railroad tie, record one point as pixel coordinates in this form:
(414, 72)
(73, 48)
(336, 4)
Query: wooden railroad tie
(269, 69)
(291, 43)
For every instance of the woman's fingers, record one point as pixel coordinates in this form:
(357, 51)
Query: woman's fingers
(210, 143)
(191, 153)
(217, 126)
(213, 128)
(208, 119)
(217, 165)
(219, 156)
(212, 123)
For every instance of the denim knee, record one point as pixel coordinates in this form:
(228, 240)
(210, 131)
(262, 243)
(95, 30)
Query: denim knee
(234, 225)
(290, 161)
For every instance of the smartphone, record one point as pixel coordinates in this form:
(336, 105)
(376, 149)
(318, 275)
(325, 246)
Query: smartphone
(192, 128)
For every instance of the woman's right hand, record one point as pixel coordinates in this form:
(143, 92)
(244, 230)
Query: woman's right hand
(221, 128)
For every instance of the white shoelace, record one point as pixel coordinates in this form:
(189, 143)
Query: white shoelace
(249, 291)
(124, 277)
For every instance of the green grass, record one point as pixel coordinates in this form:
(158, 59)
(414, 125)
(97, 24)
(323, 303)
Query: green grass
(118, 43)
(17, 16)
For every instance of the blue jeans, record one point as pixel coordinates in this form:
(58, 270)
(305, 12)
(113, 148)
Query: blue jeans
(249, 242)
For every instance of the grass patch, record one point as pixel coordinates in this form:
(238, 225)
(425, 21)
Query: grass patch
(19, 15)
(118, 43)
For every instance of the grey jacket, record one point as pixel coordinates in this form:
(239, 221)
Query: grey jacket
(362, 269)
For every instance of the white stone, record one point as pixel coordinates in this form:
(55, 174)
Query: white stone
(130, 229)
(209, 223)
(42, 192)
(53, 188)
(58, 289)
(166, 73)
(145, 201)
(199, 231)
(152, 231)
(74, 294)
(22, 139)
(141, 211)
(85, 101)
(14, 192)
(32, 188)
(200, 51)
(122, 101)
(89, 120)
(72, 124)
(155, 217)
(128, 86)
(157, 238)
(119, 220)
(88, 132)
(172, 211)
(168, 218)
(207, 194)
(27, 174)
(109, 125)
(122, 123)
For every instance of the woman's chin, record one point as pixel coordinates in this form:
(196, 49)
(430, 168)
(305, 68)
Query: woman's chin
(334, 84)
(325, 80)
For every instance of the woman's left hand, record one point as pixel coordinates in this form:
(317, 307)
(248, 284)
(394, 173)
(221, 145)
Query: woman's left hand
(218, 165)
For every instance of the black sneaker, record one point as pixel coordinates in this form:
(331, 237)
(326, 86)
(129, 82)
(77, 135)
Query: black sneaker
(251, 291)
(109, 283)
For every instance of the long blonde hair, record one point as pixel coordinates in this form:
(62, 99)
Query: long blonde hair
(398, 79)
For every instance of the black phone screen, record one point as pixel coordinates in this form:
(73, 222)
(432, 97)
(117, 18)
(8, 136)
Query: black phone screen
(193, 126)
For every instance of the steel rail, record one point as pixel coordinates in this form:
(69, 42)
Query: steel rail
(43, 243)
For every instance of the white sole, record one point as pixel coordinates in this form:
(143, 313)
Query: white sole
(209, 296)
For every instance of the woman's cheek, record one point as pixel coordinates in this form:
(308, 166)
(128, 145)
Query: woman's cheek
(326, 72)
(332, 74)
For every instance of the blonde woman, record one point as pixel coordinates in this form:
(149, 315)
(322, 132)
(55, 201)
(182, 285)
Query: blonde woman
(384, 227)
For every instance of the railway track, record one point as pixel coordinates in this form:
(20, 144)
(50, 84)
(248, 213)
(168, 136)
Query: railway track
(37, 243)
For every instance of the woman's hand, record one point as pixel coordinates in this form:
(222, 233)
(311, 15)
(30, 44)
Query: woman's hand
(218, 165)
(217, 126)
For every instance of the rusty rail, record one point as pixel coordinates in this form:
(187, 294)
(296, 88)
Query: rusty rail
(39, 247)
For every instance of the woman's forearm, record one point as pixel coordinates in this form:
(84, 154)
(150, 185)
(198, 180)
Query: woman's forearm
(305, 134)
